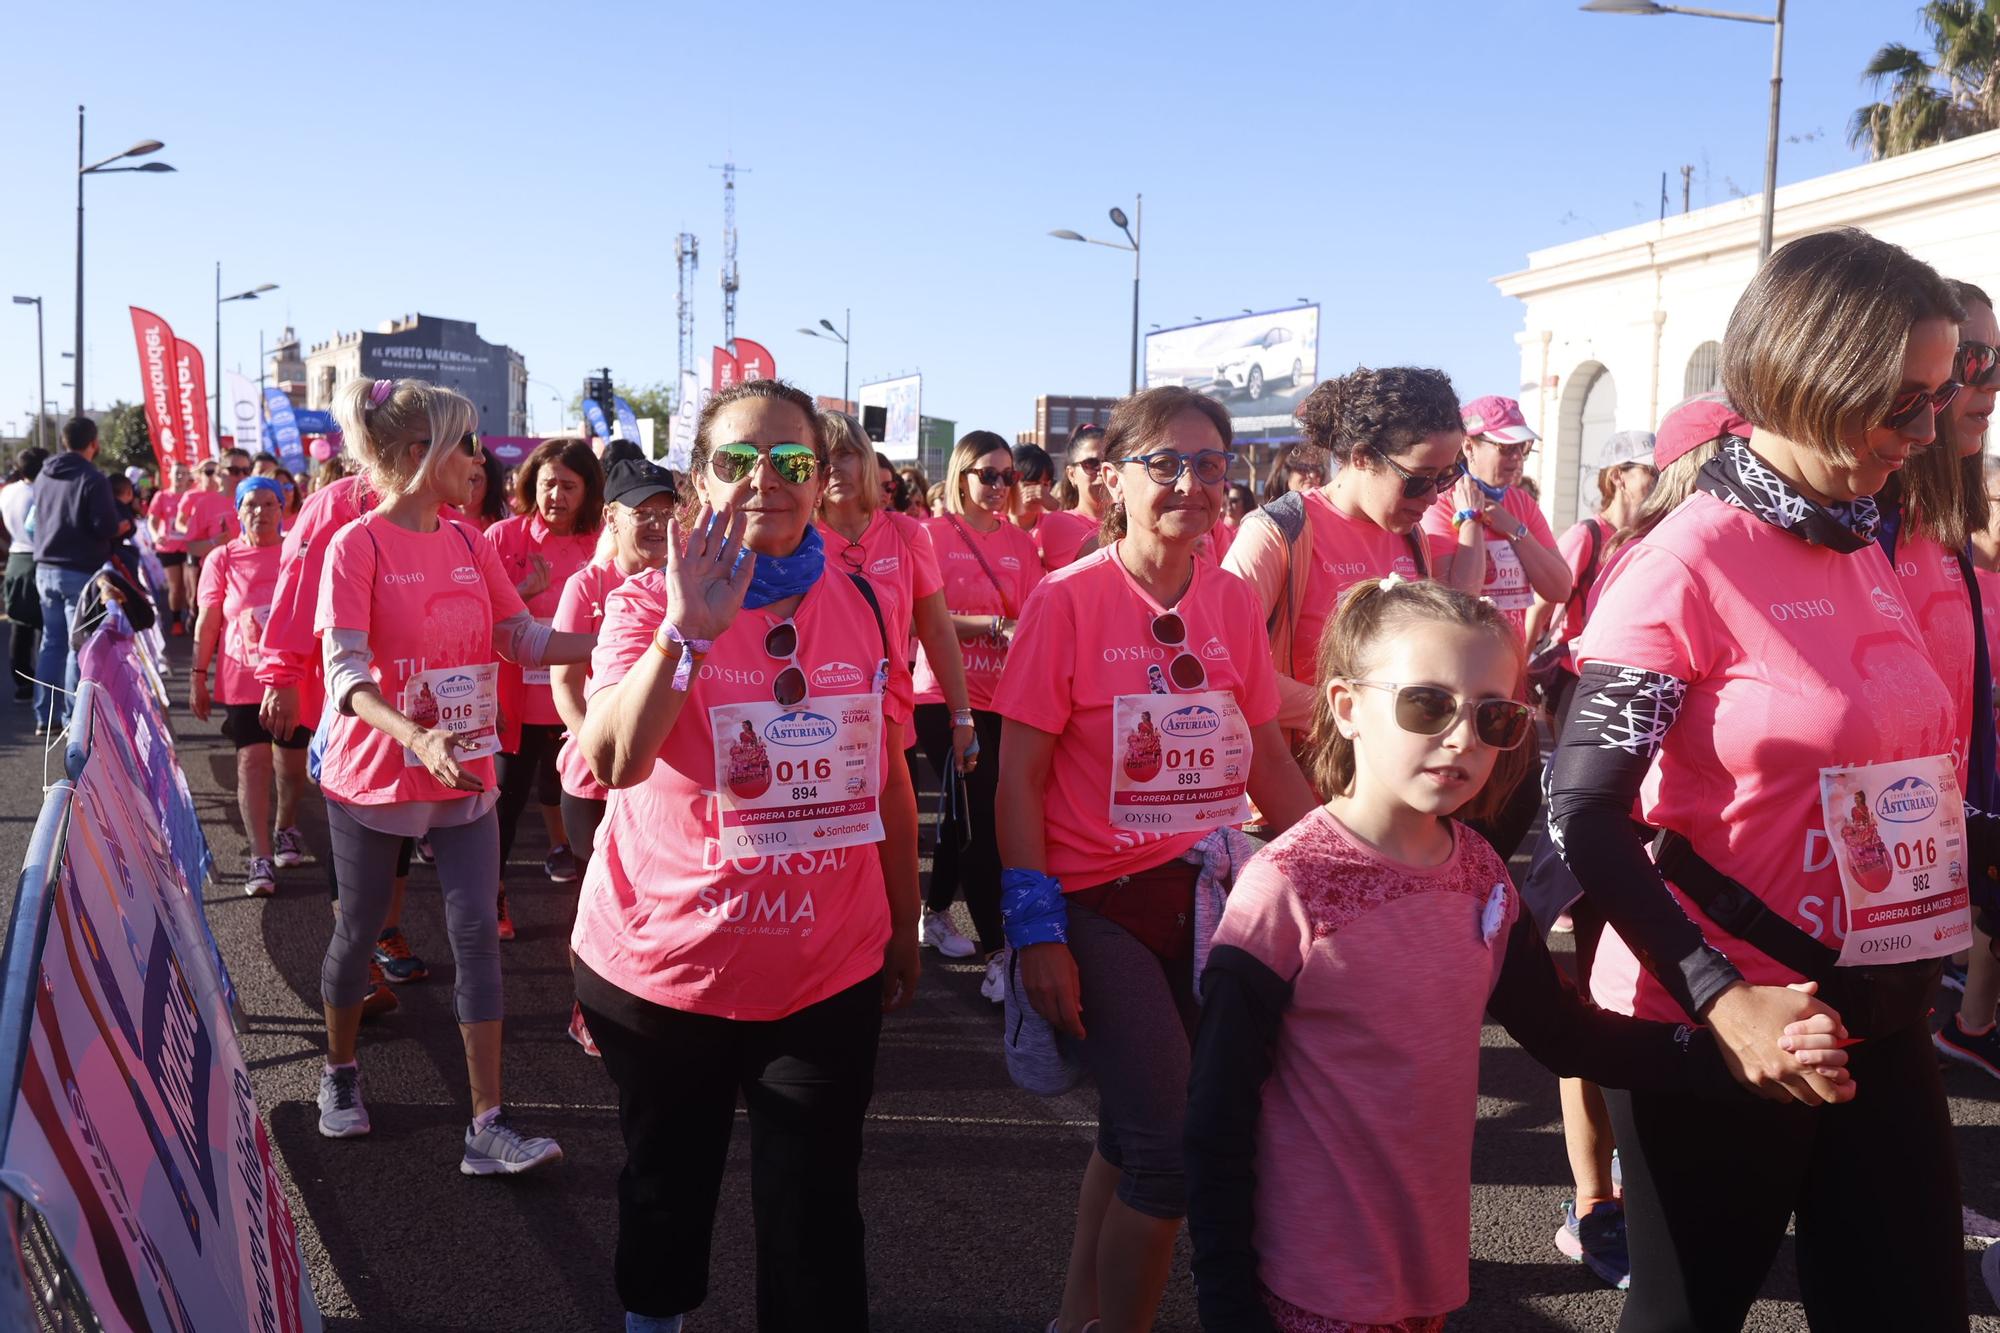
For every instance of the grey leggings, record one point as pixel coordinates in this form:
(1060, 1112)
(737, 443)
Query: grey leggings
(468, 868)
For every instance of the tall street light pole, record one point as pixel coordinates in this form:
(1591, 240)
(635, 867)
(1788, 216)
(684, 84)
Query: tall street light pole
(220, 301)
(846, 351)
(1777, 24)
(41, 374)
(140, 149)
(1132, 228)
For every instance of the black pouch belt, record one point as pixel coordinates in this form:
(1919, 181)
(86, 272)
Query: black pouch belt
(1872, 1001)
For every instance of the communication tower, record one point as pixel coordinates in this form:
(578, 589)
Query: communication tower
(729, 278)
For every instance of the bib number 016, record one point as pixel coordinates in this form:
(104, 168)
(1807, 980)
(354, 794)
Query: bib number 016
(1199, 760)
(1916, 854)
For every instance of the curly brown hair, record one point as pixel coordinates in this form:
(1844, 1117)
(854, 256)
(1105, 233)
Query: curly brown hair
(1382, 411)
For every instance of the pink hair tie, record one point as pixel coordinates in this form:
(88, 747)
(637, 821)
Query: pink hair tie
(380, 393)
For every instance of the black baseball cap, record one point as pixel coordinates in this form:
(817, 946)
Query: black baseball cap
(630, 481)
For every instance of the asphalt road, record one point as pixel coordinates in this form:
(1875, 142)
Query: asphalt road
(969, 1184)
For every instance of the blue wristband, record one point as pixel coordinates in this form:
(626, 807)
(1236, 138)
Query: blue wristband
(1032, 908)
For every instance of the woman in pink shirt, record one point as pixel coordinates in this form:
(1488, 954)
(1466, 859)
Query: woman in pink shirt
(751, 908)
(1034, 494)
(488, 504)
(989, 566)
(1099, 894)
(1395, 433)
(639, 502)
(162, 517)
(1750, 669)
(413, 608)
(1330, 1118)
(237, 584)
(1082, 499)
(560, 490)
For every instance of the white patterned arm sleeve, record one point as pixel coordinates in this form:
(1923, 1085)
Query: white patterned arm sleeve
(1620, 717)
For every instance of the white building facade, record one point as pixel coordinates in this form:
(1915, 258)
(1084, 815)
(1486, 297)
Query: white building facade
(1620, 327)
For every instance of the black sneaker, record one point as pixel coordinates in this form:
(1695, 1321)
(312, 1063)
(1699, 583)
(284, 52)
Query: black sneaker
(1981, 1050)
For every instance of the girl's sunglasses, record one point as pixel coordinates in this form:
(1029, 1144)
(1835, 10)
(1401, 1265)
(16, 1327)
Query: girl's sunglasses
(1186, 670)
(1975, 364)
(1910, 403)
(994, 476)
(782, 643)
(468, 444)
(1415, 485)
(1165, 467)
(794, 463)
(1426, 710)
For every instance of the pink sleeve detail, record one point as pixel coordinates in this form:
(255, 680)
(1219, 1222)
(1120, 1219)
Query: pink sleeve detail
(1266, 919)
(214, 584)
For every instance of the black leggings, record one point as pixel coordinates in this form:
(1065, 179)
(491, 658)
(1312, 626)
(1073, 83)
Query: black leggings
(805, 1080)
(581, 816)
(973, 872)
(532, 765)
(1710, 1184)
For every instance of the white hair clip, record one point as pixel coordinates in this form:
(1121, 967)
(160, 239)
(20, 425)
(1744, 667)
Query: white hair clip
(1390, 582)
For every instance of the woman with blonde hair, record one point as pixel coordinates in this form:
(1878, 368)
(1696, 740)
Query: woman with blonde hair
(989, 567)
(413, 607)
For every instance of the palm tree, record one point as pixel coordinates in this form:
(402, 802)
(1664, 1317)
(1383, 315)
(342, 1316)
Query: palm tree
(1934, 99)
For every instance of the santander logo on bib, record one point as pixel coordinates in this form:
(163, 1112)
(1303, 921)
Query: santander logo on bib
(1189, 723)
(1886, 604)
(800, 728)
(837, 676)
(1909, 801)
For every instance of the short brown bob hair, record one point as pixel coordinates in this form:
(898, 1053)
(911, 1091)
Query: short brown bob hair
(1138, 422)
(1814, 349)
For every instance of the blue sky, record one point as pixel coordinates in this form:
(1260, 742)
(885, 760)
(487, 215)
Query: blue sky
(527, 166)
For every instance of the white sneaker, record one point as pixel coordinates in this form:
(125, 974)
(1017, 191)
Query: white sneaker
(342, 1115)
(940, 932)
(502, 1150)
(260, 880)
(994, 987)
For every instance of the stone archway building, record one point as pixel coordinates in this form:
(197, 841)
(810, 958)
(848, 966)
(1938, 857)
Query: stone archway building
(1618, 326)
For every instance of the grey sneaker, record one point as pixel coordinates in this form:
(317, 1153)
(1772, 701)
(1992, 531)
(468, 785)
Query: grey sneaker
(341, 1112)
(938, 931)
(260, 880)
(502, 1150)
(288, 848)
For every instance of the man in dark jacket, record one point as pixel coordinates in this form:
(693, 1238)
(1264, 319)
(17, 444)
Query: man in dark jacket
(75, 527)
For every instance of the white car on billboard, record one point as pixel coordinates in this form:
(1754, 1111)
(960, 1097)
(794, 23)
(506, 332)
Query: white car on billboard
(1274, 355)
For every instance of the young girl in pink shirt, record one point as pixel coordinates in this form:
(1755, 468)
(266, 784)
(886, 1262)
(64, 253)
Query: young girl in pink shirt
(1331, 1102)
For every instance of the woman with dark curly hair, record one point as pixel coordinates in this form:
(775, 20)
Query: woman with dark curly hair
(1396, 435)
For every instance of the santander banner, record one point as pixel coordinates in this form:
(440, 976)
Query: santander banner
(160, 378)
(192, 399)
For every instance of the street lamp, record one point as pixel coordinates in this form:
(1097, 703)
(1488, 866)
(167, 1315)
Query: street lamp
(220, 301)
(41, 374)
(562, 407)
(846, 352)
(1132, 231)
(139, 149)
(1777, 24)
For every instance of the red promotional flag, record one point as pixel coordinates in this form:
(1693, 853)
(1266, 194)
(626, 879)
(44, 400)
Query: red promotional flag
(724, 371)
(753, 362)
(193, 400)
(156, 356)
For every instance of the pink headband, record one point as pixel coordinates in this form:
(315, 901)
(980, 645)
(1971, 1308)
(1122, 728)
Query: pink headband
(380, 393)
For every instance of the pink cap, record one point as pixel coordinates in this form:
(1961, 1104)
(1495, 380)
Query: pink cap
(1496, 418)
(1696, 422)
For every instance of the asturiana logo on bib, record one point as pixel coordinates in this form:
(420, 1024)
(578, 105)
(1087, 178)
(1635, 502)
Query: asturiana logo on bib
(1907, 802)
(800, 728)
(456, 687)
(465, 574)
(1188, 723)
(837, 676)
(1886, 604)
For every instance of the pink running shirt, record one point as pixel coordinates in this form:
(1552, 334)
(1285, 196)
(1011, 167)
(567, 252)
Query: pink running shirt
(1363, 1204)
(1574, 547)
(1345, 551)
(1506, 581)
(663, 915)
(1087, 638)
(515, 540)
(581, 611)
(1010, 554)
(1934, 588)
(896, 557)
(1058, 537)
(427, 600)
(209, 516)
(166, 507)
(239, 579)
(1795, 658)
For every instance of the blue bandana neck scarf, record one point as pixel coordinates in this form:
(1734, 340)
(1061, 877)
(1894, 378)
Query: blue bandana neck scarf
(782, 576)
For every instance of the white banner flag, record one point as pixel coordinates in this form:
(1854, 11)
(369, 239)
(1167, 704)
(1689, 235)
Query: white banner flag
(687, 414)
(242, 413)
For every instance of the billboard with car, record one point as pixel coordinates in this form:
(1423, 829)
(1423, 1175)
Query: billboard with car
(1259, 366)
(900, 401)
